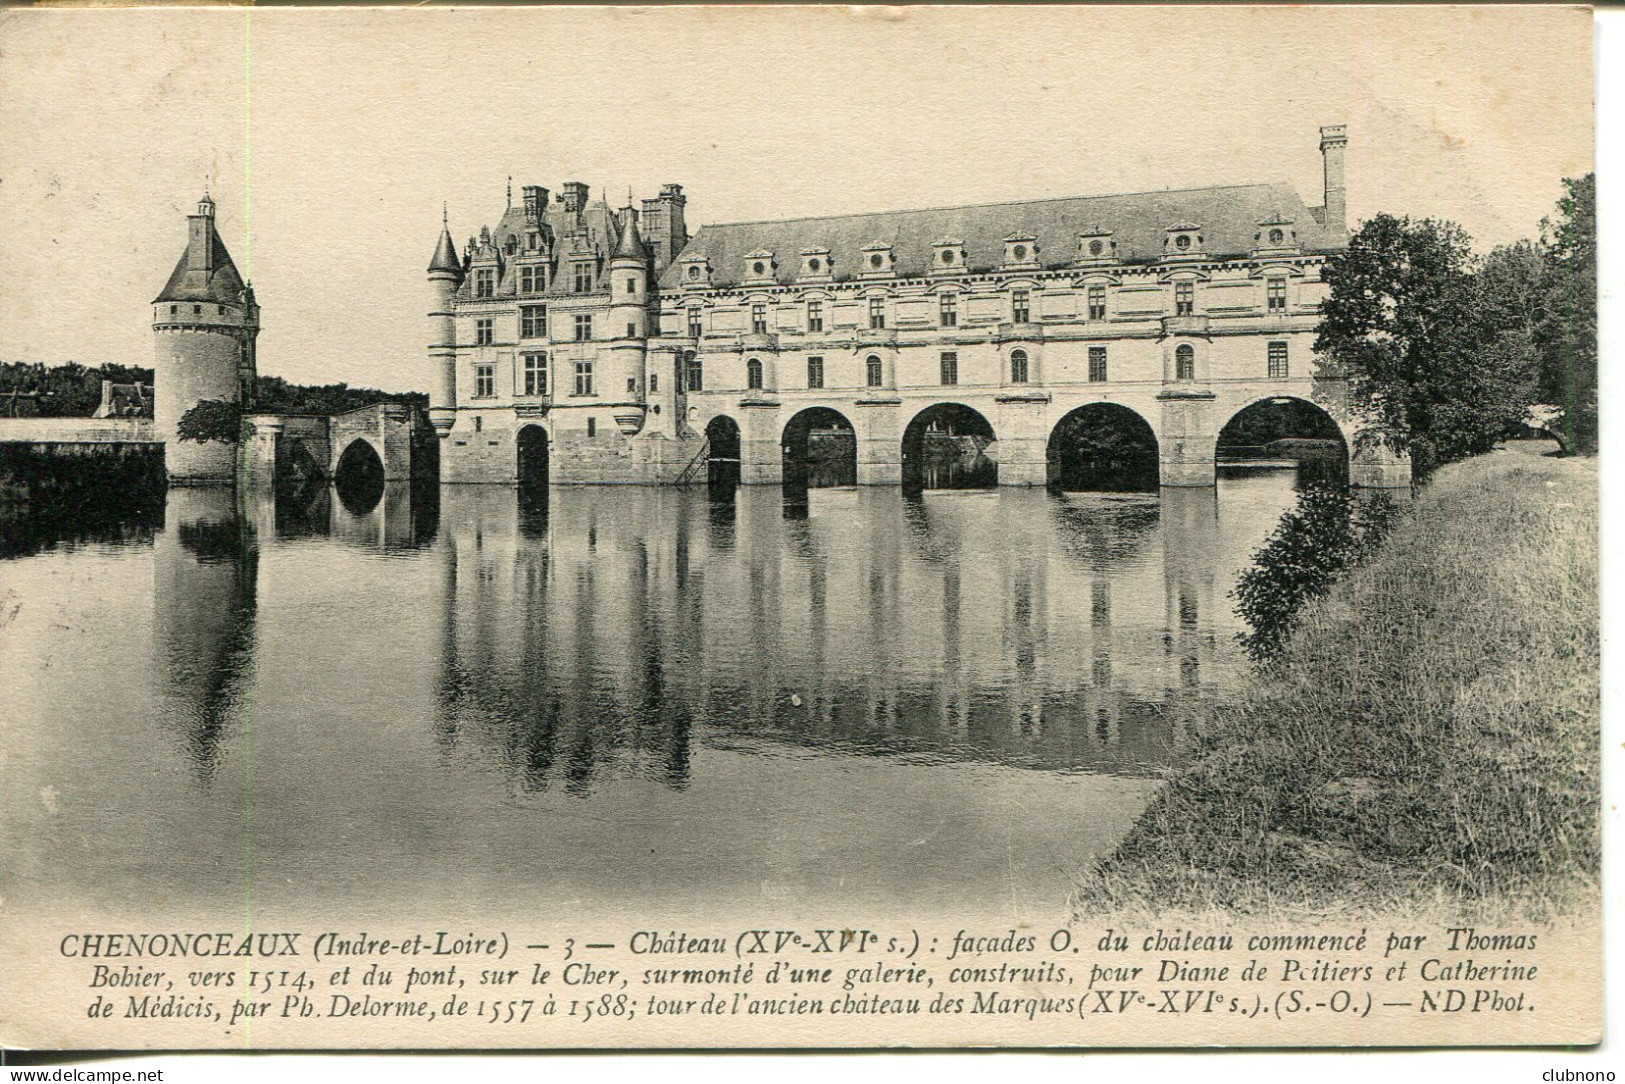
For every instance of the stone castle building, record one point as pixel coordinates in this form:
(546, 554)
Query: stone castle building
(586, 344)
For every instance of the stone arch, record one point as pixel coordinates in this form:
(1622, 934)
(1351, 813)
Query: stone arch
(820, 448)
(532, 456)
(722, 450)
(1103, 446)
(1276, 429)
(358, 475)
(950, 446)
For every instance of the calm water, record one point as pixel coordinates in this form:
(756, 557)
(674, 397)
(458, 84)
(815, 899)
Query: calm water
(941, 702)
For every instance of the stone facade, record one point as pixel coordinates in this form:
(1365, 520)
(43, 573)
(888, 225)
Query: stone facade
(625, 340)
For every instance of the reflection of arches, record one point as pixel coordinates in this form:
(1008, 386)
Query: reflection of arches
(360, 477)
(820, 448)
(1285, 429)
(946, 447)
(722, 451)
(533, 457)
(1103, 447)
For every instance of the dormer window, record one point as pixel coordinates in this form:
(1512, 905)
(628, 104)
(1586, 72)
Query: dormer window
(1096, 246)
(878, 260)
(485, 280)
(696, 271)
(1021, 251)
(1182, 241)
(815, 265)
(759, 267)
(512, 246)
(583, 278)
(947, 257)
(533, 278)
(693, 273)
(1275, 236)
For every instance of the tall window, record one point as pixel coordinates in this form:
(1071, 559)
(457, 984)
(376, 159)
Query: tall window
(583, 378)
(533, 322)
(535, 374)
(815, 316)
(758, 318)
(654, 383)
(1018, 367)
(592, 427)
(695, 327)
(1278, 370)
(950, 368)
(482, 331)
(485, 280)
(583, 278)
(1276, 294)
(631, 285)
(1185, 362)
(753, 374)
(583, 327)
(815, 372)
(874, 373)
(1184, 297)
(877, 312)
(485, 381)
(1097, 302)
(1097, 364)
(1021, 306)
(532, 278)
(696, 372)
(950, 310)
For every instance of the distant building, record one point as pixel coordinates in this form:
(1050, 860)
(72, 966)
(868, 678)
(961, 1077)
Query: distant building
(125, 401)
(588, 344)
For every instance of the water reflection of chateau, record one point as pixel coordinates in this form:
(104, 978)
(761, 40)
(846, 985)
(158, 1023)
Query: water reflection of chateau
(579, 643)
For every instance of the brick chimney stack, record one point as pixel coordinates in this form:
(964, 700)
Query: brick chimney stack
(1334, 142)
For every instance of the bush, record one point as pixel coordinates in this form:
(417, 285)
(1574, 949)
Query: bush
(212, 419)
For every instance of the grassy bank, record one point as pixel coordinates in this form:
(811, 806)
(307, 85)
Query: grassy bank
(1429, 734)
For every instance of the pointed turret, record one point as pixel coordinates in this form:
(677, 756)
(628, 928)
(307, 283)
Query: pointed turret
(630, 244)
(445, 276)
(445, 256)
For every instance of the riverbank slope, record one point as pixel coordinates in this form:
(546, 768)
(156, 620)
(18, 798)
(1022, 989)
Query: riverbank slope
(1429, 734)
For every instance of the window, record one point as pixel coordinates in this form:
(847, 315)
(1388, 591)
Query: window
(584, 378)
(1278, 369)
(631, 385)
(950, 310)
(485, 381)
(696, 372)
(1021, 306)
(950, 368)
(631, 329)
(695, 329)
(632, 286)
(511, 247)
(1182, 242)
(877, 313)
(815, 372)
(693, 273)
(1097, 302)
(874, 372)
(1185, 363)
(532, 279)
(174, 310)
(1097, 364)
(758, 318)
(654, 383)
(592, 427)
(1276, 294)
(583, 327)
(482, 331)
(583, 278)
(222, 309)
(1018, 366)
(479, 423)
(1184, 298)
(197, 310)
(753, 374)
(1096, 247)
(815, 316)
(535, 370)
(533, 322)
(485, 280)
(1276, 237)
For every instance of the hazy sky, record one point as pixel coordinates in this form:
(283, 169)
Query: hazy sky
(332, 137)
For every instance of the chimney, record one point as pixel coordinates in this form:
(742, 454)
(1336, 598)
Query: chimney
(200, 237)
(664, 229)
(535, 205)
(575, 197)
(1334, 142)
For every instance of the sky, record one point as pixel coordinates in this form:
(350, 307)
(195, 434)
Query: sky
(330, 139)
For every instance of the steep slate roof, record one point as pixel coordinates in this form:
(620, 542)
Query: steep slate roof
(1229, 217)
(223, 284)
(597, 219)
(445, 255)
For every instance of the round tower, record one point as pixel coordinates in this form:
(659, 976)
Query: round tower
(445, 276)
(204, 323)
(624, 380)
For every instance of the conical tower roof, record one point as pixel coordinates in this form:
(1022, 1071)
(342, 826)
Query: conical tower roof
(199, 278)
(445, 254)
(630, 244)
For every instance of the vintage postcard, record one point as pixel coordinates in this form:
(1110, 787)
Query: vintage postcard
(785, 527)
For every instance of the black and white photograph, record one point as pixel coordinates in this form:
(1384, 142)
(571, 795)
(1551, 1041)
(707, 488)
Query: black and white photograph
(798, 527)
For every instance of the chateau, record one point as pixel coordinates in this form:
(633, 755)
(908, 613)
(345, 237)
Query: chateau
(583, 344)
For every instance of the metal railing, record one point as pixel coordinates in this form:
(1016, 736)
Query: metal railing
(699, 463)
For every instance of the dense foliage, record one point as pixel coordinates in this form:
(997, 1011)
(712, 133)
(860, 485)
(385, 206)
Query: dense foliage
(1327, 533)
(274, 395)
(211, 419)
(1446, 351)
(63, 391)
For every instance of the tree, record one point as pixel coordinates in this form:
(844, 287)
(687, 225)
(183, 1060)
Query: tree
(1568, 338)
(1431, 370)
(211, 419)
